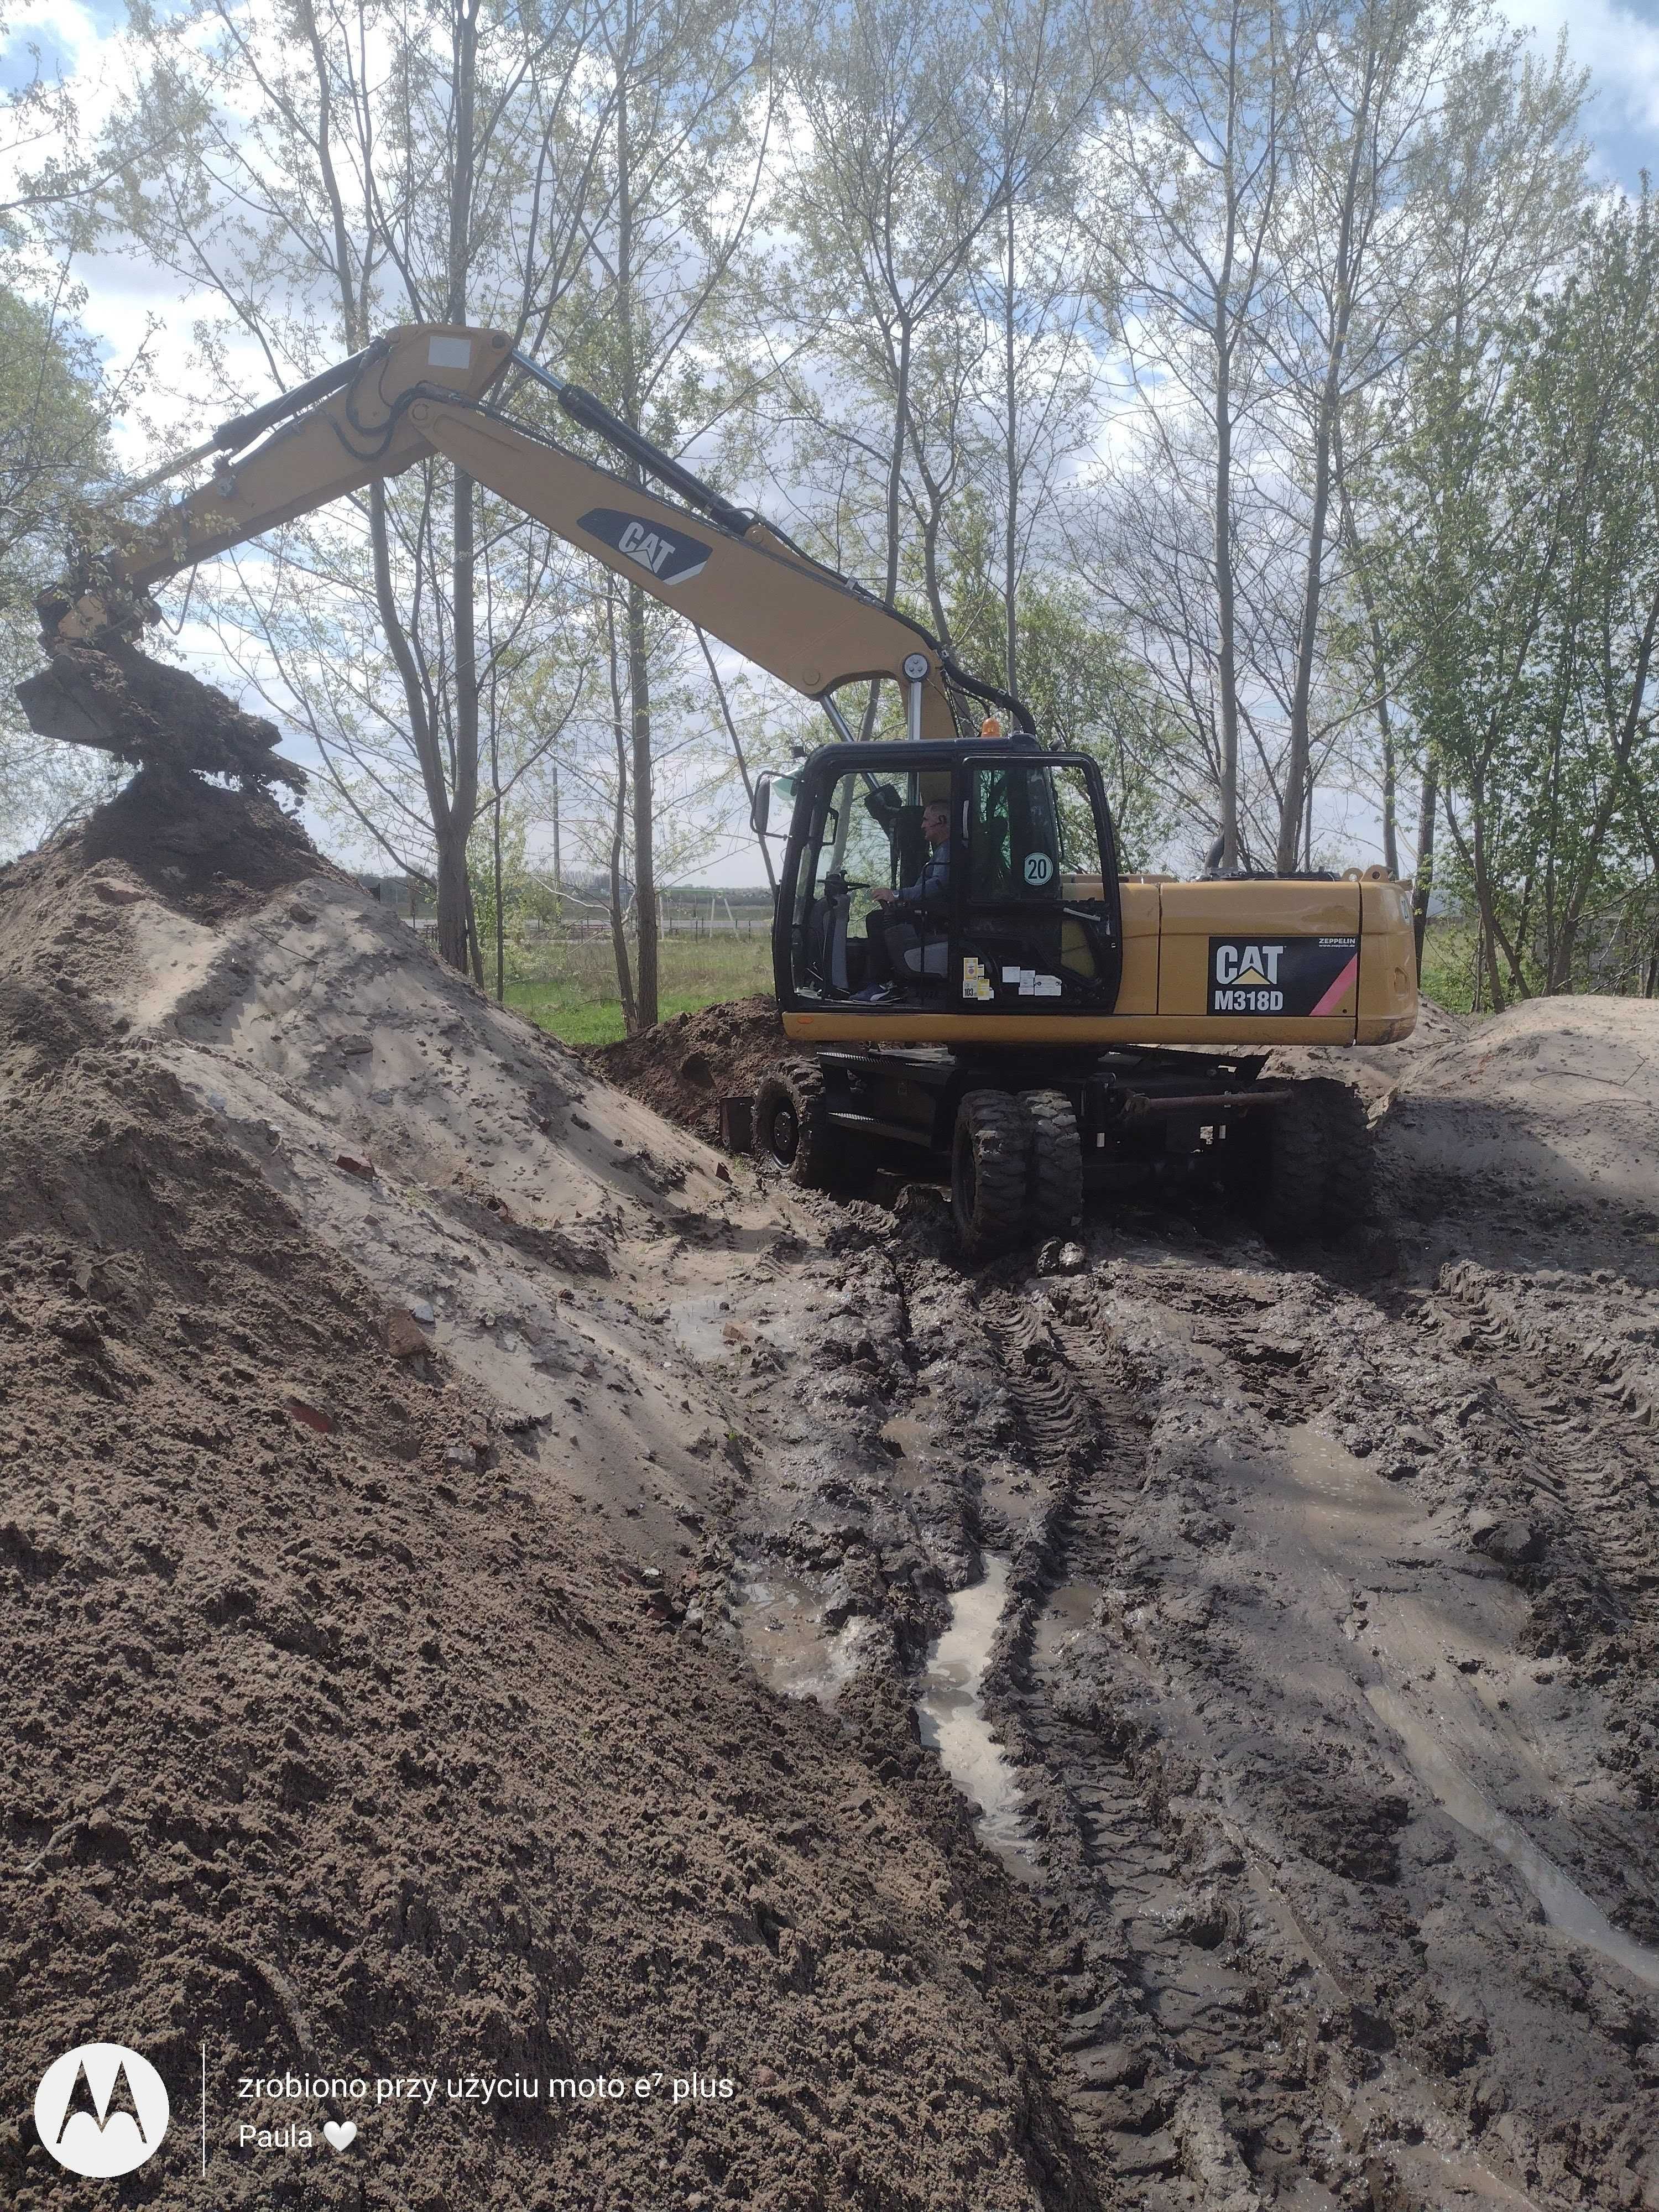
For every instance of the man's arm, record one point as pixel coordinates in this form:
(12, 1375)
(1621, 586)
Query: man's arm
(922, 892)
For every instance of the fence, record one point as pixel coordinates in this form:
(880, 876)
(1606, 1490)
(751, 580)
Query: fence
(579, 929)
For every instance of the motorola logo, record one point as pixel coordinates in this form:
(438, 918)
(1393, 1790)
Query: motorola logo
(101, 2110)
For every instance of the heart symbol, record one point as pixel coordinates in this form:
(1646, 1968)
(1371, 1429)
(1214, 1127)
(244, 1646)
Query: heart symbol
(341, 2133)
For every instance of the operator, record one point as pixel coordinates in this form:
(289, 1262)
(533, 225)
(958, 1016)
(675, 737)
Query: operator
(893, 936)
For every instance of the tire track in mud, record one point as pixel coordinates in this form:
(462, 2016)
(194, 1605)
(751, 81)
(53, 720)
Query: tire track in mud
(1169, 2044)
(1211, 2064)
(1577, 1410)
(1583, 1410)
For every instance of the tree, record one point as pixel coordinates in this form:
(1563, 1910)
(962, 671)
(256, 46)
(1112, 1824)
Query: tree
(921, 129)
(1040, 279)
(55, 408)
(1524, 550)
(1499, 186)
(686, 88)
(1381, 243)
(1086, 692)
(1193, 174)
(344, 169)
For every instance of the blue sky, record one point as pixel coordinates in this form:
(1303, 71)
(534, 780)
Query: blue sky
(1618, 41)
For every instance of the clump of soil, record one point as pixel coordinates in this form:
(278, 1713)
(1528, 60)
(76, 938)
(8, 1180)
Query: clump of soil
(684, 1067)
(117, 700)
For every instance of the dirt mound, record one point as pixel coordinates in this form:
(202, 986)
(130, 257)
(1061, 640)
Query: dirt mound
(683, 1067)
(1552, 1104)
(340, 1740)
(119, 701)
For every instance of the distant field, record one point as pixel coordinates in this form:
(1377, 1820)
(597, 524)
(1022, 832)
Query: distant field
(570, 990)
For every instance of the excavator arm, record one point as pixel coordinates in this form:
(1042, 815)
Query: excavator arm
(421, 390)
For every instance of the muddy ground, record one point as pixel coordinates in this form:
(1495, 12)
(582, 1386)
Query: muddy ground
(470, 1554)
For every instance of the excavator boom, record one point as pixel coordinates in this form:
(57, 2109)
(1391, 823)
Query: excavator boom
(421, 390)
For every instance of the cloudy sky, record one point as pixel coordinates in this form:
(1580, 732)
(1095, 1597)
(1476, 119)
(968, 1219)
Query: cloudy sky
(1619, 44)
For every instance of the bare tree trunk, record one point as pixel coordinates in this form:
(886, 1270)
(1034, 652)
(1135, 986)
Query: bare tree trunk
(558, 862)
(895, 486)
(645, 876)
(1423, 885)
(1010, 455)
(496, 862)
(737, 749)
(1226, 641)
(645, 1011)
(618, 822)
(450, 886)
(896, 470)
(1298, 793)
(454, 830)
(1379, 666)
(1226, 650)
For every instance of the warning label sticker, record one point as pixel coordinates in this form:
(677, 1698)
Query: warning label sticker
(1309, 976)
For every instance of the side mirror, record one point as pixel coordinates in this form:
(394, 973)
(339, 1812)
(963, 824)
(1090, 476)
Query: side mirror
(760, 813)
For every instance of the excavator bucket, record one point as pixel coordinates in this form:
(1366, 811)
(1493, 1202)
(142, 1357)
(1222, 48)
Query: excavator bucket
(119, 701)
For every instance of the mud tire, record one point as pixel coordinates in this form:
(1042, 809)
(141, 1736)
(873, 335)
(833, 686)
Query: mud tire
(990, 1172)
(1056, 1184)
(1308, 1165)
(792, 1131)
(1348, 1156)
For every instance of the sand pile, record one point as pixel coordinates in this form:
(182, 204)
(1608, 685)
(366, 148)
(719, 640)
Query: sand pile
(342, 1740)
(1555, 1096)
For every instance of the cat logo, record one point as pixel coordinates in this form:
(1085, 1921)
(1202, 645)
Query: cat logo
(1248, 966)
(671, 555)
(101, 2110)
(1301, 975)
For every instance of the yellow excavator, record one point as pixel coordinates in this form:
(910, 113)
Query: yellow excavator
(973, 990)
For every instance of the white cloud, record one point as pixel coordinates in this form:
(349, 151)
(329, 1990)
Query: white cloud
(1620, 47)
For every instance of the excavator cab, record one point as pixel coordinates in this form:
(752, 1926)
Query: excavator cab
(1002, 871)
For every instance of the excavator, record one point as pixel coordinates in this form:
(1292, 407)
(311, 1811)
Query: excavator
(973, 990)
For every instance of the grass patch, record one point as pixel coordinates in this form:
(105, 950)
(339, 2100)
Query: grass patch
(570, 990)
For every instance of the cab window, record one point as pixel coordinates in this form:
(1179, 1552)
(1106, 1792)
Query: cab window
(1038, 919)
(1032, 838)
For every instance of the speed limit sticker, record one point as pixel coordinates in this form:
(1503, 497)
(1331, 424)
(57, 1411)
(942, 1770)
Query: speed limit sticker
(1038, 867)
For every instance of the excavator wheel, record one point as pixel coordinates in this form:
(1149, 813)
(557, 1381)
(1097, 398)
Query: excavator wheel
(1056, 1185)
(1347, 1155)
(990, 1172)
(1307, 1163)
(792, 1129)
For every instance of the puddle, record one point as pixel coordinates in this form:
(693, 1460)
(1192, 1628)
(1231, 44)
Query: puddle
(1070, 1608)
(786, 1643)
(953, 1724)
(1565, 1905)
(699, 1325)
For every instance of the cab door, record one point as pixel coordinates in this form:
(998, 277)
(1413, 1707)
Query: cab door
(1038, 924)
